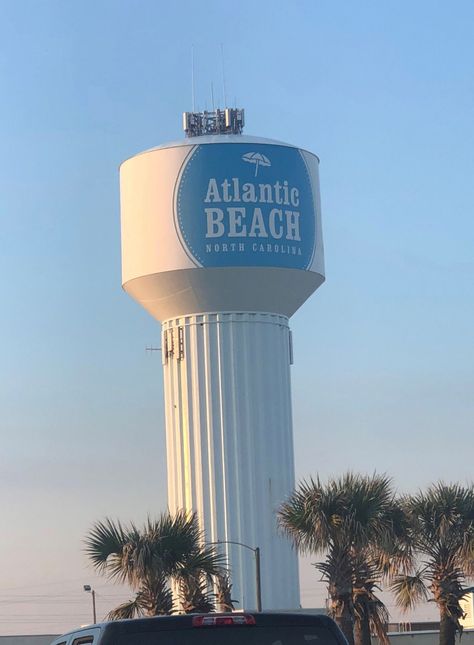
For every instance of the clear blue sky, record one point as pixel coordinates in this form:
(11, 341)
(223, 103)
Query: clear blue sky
(383, 92)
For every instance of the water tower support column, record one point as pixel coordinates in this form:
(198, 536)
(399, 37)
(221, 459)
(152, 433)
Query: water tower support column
(230, 443)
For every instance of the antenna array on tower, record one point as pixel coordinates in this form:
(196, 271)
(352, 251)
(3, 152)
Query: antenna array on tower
(227, 121)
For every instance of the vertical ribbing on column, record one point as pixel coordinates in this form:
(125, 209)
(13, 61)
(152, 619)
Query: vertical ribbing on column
(230, 445)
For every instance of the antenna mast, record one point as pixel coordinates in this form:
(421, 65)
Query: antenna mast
(192, 78)
(223, 75)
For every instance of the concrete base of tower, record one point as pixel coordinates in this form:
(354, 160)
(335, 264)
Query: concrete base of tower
(230, 442)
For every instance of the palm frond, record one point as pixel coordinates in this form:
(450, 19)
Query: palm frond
(194, 595)
(466, 552)
(367, 606)
(443, 514)
(156, 596)
(204, 560)
(130, 609)
(105, 545)
(409, 590)
(379, 619)
(337, 570)
(306, 517)
(224, 600)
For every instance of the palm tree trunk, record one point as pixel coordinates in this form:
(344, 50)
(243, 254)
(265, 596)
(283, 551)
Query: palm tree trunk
(447, 629)
(362, 625)
(341, 612)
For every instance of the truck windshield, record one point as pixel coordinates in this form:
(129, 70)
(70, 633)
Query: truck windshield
(228, 635)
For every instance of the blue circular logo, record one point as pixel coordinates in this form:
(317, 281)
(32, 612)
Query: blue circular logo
(246, 205)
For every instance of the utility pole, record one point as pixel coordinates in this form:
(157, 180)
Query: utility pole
(89, 589)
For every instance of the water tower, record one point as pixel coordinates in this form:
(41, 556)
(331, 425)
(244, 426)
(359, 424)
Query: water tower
(221, 243)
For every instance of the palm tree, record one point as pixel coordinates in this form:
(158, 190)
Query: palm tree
(148, 559)
(441, 534)
(350, 519)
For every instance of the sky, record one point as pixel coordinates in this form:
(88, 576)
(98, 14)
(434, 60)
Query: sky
(383, 380)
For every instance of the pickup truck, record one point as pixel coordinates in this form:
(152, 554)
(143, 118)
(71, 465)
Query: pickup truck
(266, 628)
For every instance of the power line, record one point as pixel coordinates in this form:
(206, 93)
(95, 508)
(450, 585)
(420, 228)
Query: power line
(43, 584)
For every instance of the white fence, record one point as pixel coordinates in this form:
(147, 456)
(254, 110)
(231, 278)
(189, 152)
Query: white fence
(424, 638)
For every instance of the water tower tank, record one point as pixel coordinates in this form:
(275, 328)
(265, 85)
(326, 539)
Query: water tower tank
(221, 242)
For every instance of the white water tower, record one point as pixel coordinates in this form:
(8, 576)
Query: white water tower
(221, 243)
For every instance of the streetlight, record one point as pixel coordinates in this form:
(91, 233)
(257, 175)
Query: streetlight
(256, 552)
(90, 590)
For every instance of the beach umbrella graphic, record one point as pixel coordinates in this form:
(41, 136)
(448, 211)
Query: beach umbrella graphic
(258, 159)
